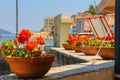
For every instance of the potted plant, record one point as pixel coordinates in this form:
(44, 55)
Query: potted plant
(28, 61)
(107, 50)
(69, 43)
(79, 43)
(91, 46)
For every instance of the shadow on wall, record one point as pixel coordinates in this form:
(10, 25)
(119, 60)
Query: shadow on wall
(4, 67)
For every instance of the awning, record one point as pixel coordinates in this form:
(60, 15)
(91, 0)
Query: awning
(106, 7)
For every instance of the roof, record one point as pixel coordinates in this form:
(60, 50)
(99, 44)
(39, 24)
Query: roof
(49, 18)
(106, 7)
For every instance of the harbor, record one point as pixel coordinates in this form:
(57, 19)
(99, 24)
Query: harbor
(81, 46)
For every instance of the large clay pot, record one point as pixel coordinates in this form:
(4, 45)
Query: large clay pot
(78, 49)
(107, 53)
(90, 50)
(67, 46)
(34, 67)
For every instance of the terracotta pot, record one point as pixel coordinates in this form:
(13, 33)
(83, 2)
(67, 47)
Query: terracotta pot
(68, 46)
(107, 53)
(90, 50)
(34, 67)
(78, 49)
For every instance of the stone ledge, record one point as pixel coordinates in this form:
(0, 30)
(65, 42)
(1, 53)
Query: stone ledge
(69, 70)
(72, 53)
(92, 64)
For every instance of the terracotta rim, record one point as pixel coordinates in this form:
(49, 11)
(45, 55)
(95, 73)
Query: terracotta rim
(31, 59)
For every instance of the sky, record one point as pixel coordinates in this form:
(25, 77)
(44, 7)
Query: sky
(31, 13)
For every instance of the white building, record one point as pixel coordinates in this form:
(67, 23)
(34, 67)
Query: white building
(48, 24)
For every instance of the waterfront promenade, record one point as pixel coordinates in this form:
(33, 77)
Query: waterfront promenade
(86, 68)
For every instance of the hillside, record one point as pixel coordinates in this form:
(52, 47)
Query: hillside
(45, 35)
(4, 32)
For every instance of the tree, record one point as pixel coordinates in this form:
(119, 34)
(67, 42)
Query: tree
(91, 9)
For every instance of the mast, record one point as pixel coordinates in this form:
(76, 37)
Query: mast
(16, 18)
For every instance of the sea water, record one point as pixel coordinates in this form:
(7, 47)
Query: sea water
(47, 42)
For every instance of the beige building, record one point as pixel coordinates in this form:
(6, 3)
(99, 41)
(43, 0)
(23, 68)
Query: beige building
(62, 25)
(48, 24)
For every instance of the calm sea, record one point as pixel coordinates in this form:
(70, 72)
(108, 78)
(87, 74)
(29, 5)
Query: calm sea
(47, 42)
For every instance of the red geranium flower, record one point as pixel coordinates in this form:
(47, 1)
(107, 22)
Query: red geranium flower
(113, 37)
(29, 48)
(38, 53)
(69, 36)
(0, 47)
(40, 40)
(24, 36)
(31, 45)
(88, 35)
(73, 40)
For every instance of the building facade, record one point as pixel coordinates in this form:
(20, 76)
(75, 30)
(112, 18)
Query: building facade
(48, 24)
(82, 24)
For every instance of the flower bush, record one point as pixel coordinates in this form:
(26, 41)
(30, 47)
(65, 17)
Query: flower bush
(30, 48)
(108, 38)
(81, 39)
(93, 42)
(109, 44)
(77, 40)
(98, 43)
(71, 39)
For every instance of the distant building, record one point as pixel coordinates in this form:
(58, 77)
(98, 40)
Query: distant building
(48, 24)
(73, 27)
(111, 20)
(73, 30)
(82, 24)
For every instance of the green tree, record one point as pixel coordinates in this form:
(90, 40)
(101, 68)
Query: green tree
(91, 9)
(41, 30)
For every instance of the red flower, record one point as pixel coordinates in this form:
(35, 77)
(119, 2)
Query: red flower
(79, 39)
(38, 53)
(13, 49)
(113, 37)
(73, 40)
(88, 35)
(31, 45)
(24, 36)
(84, 38)
(69, 36)
(40, 40)
(75, 35)
(0, 47)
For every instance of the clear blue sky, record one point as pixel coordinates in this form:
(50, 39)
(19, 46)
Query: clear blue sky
(33, 12)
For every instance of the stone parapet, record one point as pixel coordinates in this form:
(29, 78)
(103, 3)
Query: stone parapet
(92, 67)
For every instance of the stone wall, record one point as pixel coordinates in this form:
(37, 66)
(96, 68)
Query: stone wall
(63, 59)
(4, 67)
(103, 74)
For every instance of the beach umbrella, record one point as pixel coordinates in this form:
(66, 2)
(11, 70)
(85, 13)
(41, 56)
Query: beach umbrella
(106, 7)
